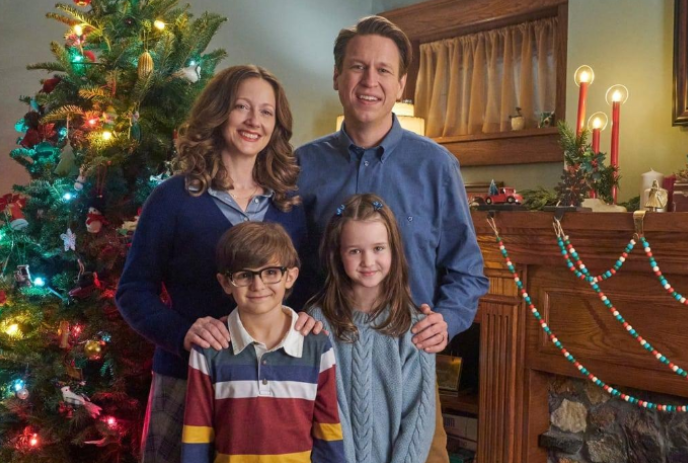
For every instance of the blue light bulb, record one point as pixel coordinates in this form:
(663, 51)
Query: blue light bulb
(38, 281)
(67, 196)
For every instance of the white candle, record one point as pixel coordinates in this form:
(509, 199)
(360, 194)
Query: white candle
(646, 183)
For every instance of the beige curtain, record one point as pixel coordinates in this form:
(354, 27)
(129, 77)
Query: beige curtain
(471, 84)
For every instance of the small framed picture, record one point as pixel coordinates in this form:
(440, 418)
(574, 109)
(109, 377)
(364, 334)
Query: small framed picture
(448, 372)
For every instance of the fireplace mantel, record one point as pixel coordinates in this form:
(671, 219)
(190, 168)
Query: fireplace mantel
(517, 359)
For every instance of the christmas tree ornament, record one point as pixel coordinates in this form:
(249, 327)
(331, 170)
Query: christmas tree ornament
(87, 283)
(22, 393)
(3, 297)
(94, 220)
(65, 410)
(69, 239)
(93, 350)
(12, 206)
(82, 2)
(22, 276)
(63, 334)
(145, 65)
(108, 118)
(79, 183)
(190, 73)
(105, 337)
(67, 164)
(134, 126)
(90, 55)
(79, 400)
(50, 84)
(32, 137)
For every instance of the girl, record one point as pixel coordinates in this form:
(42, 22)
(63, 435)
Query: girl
(385, 385)
(236, 165)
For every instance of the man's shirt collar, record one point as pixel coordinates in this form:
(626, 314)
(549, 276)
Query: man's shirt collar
(384, 149)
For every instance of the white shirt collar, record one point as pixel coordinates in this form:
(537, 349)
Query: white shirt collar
(292, 341)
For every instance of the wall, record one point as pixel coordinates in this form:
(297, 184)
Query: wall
(293, 39)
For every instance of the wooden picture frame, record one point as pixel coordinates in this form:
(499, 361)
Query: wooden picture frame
(680, 106)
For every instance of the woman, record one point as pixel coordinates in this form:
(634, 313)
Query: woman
(235, 164)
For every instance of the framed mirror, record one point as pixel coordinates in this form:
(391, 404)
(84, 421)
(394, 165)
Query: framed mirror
(680, 112)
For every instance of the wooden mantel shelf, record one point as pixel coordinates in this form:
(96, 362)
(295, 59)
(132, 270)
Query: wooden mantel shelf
(517, 359)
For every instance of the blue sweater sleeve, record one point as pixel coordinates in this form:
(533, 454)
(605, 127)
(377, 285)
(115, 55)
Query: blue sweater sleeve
(140, 286)
(418, 401)
(462, 281)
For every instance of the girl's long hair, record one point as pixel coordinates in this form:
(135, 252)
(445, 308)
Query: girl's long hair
(335, 300)
(201, 139)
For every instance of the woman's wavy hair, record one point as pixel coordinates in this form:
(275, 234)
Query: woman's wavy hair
(201, 139)
(335, 298)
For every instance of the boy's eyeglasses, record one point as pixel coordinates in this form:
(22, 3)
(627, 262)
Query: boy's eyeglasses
(268, 275)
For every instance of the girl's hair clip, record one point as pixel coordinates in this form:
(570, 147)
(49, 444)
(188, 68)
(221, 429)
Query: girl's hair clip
(377, 205)
(340, 210)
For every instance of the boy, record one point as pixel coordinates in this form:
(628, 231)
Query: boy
(270, 396)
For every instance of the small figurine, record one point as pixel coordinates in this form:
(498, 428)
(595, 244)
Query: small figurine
(504, 195)
(518, 122)
(22, 276)
(546, 119)
(77, 400)
(94, 220)
(657, 198)
(12, 205)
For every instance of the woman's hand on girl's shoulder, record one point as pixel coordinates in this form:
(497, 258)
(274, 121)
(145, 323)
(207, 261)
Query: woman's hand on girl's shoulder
(208, 332)
(431, 333)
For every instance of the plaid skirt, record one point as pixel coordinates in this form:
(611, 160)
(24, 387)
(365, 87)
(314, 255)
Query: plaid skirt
(162, 429)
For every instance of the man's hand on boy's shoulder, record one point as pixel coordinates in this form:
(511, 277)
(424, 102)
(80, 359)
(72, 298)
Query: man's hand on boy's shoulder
(431, 333)
(307, 324)
(208, 332)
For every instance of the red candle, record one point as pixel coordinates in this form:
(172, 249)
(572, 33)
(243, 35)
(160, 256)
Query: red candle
(583, 77)
(582, 96)
(596, 140)
(614, 157)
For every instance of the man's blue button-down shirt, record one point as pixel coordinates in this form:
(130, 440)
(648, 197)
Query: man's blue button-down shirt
(421, 183)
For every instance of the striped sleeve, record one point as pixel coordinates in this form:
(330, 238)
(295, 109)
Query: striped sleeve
(328, 445)
(198, 434)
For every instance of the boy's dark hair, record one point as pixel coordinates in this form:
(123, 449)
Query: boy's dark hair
(254, 245)
(375, 25)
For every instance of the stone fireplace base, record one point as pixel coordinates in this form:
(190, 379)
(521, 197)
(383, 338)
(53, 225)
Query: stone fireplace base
(587, 426)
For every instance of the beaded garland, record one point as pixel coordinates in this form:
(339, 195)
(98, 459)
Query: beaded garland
(655, 268)
(582, 273)
(553, 338)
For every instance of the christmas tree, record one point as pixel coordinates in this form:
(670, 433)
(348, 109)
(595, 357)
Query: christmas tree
(96, 139)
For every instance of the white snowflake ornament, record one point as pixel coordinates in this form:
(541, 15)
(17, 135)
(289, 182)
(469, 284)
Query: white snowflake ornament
(69, 239)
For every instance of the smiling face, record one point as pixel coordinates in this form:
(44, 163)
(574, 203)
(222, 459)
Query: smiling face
(259, 298)
(251, 120)
(369, 83)
(366, 256)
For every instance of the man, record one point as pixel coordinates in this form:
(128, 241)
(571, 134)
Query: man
(417, 178)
